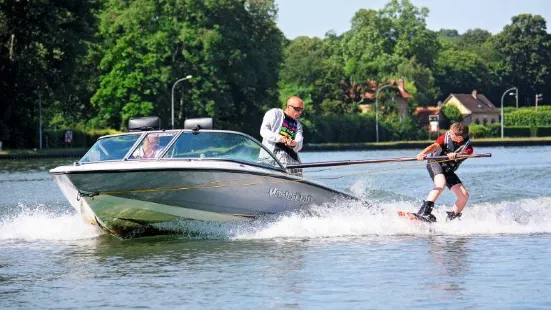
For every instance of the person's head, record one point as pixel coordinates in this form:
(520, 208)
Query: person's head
(295, 107)
(151, 140)
(459, 132)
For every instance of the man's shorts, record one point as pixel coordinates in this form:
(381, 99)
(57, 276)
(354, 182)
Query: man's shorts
(286, 159)
(434, 168)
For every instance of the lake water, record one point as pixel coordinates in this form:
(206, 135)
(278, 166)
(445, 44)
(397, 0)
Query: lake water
(343, 256)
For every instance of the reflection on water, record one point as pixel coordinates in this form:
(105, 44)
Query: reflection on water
(450, 257)
(178, 268)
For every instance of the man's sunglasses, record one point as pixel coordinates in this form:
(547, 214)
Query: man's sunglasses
(297, 109)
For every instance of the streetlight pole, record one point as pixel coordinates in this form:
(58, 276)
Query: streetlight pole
(377, 110)
(539, 97)
(502, 96)
(40, 120)
(173, 86)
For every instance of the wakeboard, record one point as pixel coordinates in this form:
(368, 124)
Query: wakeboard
(413, 217)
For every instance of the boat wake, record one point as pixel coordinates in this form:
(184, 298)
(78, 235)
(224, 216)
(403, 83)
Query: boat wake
(42, 223)
(345, 219)
(342, 219)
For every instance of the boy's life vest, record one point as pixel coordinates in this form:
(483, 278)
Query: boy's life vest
(450, 147)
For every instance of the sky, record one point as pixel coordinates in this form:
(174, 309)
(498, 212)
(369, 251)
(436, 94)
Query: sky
(314, 18)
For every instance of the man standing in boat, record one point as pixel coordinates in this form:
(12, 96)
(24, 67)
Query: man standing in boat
(282, 132)
(454, 142)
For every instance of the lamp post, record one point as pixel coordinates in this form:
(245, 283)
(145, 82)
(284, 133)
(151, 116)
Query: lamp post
(40, 121)
(173, 86)
(377, 110)
(539, 97)
(502, 96)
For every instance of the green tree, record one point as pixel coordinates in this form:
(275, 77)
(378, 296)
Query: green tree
(460, 72)
(474, 37)
(231, 47)
(425, 90)
(525, 48)
(367, 39)
(301, 70)
(448, 36)
(43, 43)
(448, 33)
(409, 32)
(135, 66)
(452, 113)
(388, 44)
(479, 42)
(313, 69)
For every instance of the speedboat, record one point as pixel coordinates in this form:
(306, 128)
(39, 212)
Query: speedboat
(196, 173)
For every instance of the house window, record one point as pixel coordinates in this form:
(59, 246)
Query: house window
(493, 120)
(485, 121)
(476, 121)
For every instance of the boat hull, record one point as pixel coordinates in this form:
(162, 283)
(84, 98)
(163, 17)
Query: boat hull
(125, 201)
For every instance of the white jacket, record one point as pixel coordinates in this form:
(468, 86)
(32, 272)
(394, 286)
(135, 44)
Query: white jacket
(271, 125)
(140, 154)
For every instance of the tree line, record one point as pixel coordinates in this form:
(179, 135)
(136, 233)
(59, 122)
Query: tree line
(94, 64)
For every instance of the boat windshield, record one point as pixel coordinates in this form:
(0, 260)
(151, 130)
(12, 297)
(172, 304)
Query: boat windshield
(110, 148)
(220, 145)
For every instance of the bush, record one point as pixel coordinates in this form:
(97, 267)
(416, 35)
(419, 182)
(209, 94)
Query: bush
(541, 108)
(479, 131)
(528, 117)
(543, 131)
(396, 129)
(340, 128)
(360, 128)
(517, 131)
(489, 131)
(494, 131)
(55, 138)
(452, 113)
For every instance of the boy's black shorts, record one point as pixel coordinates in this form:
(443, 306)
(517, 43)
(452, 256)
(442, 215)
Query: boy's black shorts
(434, 168)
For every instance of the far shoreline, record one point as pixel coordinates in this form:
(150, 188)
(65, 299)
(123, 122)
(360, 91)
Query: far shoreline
(24, 154)
(401, 145)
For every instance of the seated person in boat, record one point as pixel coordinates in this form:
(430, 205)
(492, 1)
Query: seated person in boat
(150, 148)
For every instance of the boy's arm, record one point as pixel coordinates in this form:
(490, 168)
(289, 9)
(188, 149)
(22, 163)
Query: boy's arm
(467, 151)
(429, 149)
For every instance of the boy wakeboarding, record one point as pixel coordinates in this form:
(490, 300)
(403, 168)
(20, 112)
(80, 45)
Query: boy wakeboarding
(454, 142)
